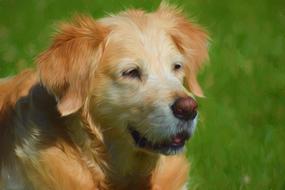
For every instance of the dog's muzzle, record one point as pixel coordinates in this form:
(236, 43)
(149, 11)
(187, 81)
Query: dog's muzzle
(169, 146)
(185, 110)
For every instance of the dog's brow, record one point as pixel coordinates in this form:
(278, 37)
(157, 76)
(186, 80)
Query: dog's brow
(128, 63)
(178, 59)
(127, 60)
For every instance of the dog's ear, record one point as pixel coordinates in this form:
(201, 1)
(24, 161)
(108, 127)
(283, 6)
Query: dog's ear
(192, 42)
(67, 67)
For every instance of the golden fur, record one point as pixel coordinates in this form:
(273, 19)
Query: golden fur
(59, 123)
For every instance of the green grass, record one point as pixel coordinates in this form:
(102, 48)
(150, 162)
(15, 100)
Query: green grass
(240, 141)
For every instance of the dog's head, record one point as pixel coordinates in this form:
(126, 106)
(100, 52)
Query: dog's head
(134, 70)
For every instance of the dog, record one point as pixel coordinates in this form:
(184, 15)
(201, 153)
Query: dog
(110, 105)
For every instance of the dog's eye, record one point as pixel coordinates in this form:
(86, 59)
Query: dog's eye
(132, 73)
(177, 66)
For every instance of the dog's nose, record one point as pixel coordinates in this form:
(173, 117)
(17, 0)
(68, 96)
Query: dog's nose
(185, 108)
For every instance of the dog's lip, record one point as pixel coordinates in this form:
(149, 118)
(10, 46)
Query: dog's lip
(167, 146)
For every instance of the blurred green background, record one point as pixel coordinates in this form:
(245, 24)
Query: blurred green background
(240, 141)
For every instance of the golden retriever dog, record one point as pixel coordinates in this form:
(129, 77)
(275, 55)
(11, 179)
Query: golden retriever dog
(110, 105)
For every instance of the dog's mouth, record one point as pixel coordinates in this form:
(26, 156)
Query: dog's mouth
(169, 146)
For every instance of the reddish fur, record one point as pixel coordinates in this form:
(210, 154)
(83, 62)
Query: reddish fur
(13, 88)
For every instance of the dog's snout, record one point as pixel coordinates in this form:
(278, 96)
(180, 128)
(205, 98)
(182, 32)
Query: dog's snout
(185, 108)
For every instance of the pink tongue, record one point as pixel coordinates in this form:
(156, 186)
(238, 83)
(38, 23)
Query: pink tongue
(177, 140)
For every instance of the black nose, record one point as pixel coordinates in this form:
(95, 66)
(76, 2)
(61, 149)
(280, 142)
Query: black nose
(185, 108)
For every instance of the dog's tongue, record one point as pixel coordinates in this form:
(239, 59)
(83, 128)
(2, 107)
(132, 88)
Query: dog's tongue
(178, 139)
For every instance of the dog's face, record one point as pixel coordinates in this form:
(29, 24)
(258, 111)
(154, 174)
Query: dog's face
(137, 76)
(140, 78)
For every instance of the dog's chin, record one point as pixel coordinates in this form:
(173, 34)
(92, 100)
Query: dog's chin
(169, 146)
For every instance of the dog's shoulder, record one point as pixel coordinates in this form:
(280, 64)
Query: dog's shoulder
(27, 113)
(11, 90)
(34, 139)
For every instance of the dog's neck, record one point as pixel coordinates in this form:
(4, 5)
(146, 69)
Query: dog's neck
(129, 166)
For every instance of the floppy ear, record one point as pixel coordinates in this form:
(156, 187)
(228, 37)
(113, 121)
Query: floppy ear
(191, 40)
(66, 67)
